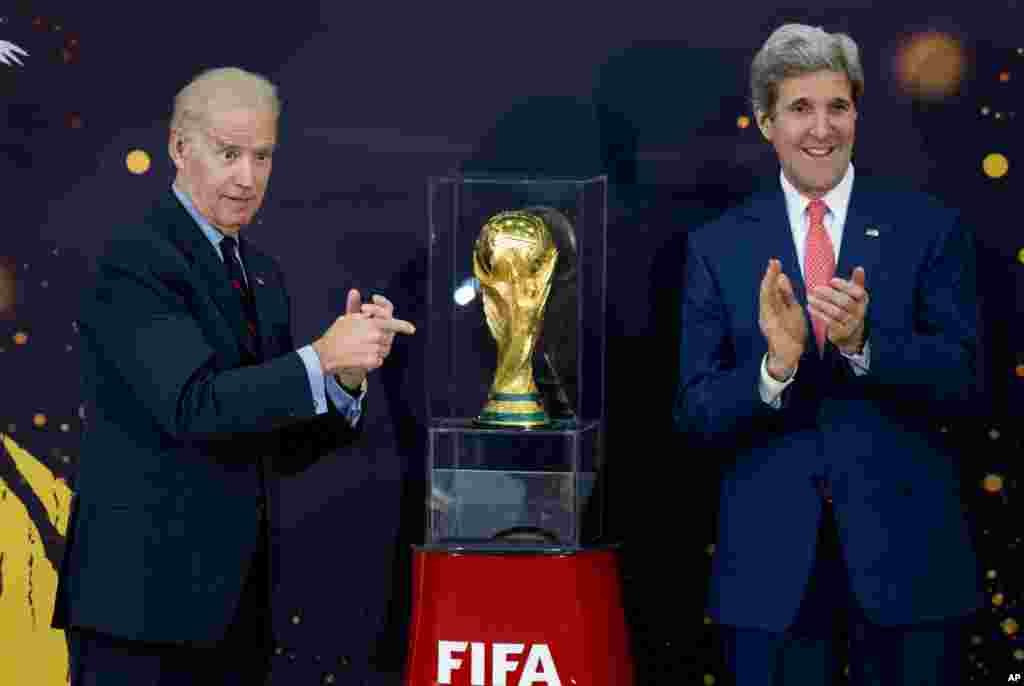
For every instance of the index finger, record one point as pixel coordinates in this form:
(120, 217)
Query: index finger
(394, 326)
(850, 288)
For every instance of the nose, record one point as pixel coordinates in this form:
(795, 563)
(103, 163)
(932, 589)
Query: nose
(822, 125)
(244, 175)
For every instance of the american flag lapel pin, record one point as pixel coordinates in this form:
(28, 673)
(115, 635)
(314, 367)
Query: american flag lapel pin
(871, 232)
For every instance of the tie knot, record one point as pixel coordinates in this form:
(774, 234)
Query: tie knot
(816, 211)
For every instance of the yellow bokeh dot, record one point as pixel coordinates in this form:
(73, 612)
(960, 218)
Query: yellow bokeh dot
(998, 599)
(137, 161)
(707, 620)
(993, 483)
(20, 338)
(995, 165)
(991, 574)
(743, 121)
(39, 420)
(710, 549)
(1018, 654)
(709, 680)
(1020, 255)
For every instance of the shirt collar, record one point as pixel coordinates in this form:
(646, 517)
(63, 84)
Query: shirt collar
(212, 234)
(837, 199)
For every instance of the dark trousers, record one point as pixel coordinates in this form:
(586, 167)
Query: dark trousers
(808, 654)
(242, 657)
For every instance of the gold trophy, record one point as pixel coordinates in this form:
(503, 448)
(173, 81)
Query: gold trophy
(513, 260)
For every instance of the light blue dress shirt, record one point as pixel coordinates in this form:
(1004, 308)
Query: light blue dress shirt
(322, 386)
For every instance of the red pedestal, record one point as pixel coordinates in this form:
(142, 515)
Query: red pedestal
(517, 619)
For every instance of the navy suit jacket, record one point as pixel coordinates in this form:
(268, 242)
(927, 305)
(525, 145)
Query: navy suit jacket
(875, 438)
(187, 433)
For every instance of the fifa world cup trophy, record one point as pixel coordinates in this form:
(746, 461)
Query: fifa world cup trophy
(513, 261)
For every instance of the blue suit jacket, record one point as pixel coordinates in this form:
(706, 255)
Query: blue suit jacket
(183, 423)
(875, 438)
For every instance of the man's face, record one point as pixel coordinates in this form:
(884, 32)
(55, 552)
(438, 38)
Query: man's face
(813, 130)
(225, 164)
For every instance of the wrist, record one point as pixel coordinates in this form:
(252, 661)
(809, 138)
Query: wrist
(780, 368)
(351, 382)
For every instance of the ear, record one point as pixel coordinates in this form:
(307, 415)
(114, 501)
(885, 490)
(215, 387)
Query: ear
(176, 147)
(765, 123)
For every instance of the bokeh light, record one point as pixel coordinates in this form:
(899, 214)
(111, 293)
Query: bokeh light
(998, 599)
(1020, 255)
(39, 420)
(138, 161)
(995, 165)
(8, 286)
(1020, 367)
(993, 483)
(1010, 626)
(20, 338)
(743, 121)
(1004, 76)
(930, 66)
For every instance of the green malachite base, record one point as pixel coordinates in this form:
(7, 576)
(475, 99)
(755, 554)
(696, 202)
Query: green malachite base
(520, 410)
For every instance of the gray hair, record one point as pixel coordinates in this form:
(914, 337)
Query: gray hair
(795, 50)
(220, 89)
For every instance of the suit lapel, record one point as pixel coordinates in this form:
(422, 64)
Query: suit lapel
(268, 293)
(207, 263)
(862, 236)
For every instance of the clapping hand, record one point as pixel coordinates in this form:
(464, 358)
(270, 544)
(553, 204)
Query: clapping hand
(781, 320)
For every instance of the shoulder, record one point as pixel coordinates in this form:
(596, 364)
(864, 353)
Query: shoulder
(718, 237)
(899, 199)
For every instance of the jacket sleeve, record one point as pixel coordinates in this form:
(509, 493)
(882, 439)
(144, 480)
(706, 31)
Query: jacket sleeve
(718, 397)
(141, 321)
(935, 361)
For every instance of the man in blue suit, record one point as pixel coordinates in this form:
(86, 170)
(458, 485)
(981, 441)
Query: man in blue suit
(829, 324)
(198, 401)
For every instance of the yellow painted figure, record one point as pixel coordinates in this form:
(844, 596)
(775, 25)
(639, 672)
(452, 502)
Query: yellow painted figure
(30, 651)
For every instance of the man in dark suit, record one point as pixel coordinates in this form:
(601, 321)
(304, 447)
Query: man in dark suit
(828, 326)
(198, 401)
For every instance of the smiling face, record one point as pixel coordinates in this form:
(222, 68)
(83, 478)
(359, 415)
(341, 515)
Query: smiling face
(812, 130)
(224, 164)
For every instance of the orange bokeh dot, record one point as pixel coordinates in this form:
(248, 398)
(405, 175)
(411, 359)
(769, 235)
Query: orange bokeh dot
(743, 121)
(993, 483)
(1004, 76)
(39, 420)
(1010, 626)
(20, 338)
(1020, 370)
(930, 65)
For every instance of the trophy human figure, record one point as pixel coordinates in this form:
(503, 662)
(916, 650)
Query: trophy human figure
(514, 260)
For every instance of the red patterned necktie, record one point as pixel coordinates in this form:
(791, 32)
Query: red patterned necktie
(819, 259)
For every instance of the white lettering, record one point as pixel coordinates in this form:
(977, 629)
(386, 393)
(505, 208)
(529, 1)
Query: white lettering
(501, 665)
(476, 661)
(540, 667)
(446, 660)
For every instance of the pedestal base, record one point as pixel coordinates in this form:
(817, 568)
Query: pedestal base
(516, 618)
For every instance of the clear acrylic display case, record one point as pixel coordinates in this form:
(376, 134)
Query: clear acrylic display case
(510, 486)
